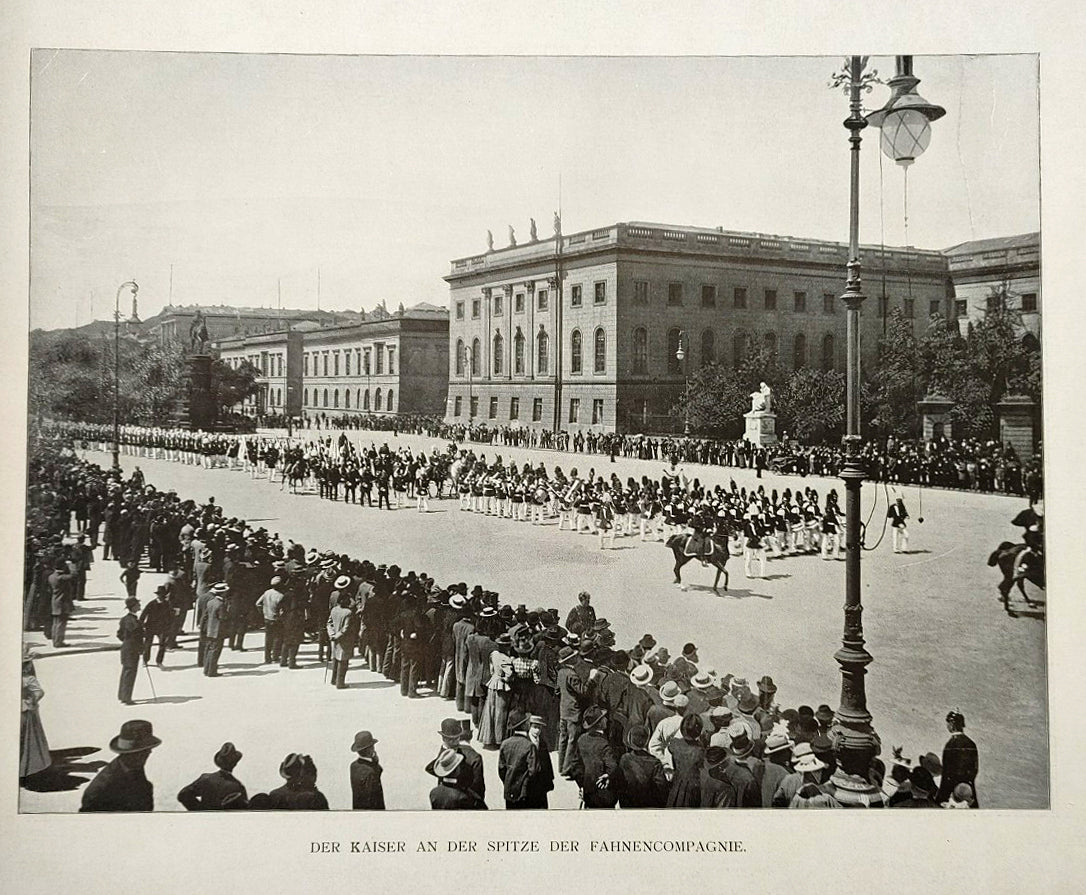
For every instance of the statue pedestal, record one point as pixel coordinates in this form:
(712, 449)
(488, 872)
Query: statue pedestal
(196, 409)
(761, 427)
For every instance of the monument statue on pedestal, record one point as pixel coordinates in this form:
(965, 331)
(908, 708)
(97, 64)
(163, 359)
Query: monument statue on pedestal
(198, 335)
(761, 420)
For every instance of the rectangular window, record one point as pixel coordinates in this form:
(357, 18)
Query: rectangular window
(335, 364)
(933, 307)
(708, 296)
(497, 305)
(458, 403)
(541, 300)
(674, 294)
(884, 305)
(1029, 302)
(599, 293)
(518, 302)
(537, 409)
(305, 364)
(641, 292)
(597, 411)
(771, 299)
(379, 354)
(347, 364)
(574, 409)
(459, 310)
(474, 406)
(739, 297)
(961, 308)
(909, 306)
(325, 356)
(493, 408)
(392, 359)
(829, 302)
(575, 296)
(799, 302)
(514, 408)
(475, 309)
(366, 362)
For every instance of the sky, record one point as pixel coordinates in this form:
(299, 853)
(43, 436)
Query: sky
(247, 174)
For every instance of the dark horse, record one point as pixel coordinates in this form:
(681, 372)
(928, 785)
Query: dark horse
(711, 553)
(1017, 566)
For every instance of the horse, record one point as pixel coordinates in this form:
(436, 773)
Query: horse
(1016, 570)
(717, 557)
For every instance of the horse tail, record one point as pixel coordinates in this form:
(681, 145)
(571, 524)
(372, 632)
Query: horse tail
(993, 560)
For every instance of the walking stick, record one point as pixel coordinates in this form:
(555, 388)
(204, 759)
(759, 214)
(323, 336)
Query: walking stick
(151, 681)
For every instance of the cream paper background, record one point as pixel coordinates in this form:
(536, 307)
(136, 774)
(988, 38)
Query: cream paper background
(1010, 851)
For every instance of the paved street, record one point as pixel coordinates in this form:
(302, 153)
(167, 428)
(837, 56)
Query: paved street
(938, 634)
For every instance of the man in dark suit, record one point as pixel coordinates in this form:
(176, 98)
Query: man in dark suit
(462, 628)
(451, 792)
(524, 764)
(219, 789)
(593, 765)
(121, 785)
(641, 781)
(61, 585)
(960, 760)
(130, 633)
(453, 736)
(367, 794)
(157, 621)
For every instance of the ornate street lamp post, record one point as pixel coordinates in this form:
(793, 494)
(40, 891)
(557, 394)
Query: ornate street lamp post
(682, 356)
(905, 134)
(129, 284)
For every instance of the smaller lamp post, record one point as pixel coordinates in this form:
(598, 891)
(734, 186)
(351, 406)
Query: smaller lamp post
(682, 356)
(129, 284)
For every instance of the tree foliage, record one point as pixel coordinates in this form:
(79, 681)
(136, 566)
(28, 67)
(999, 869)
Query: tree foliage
(230, 385)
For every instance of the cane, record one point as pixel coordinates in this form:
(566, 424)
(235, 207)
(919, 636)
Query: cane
(151, 681)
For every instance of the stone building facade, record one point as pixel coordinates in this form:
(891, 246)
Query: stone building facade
(988, 273)
(277, 356)
(582, 331)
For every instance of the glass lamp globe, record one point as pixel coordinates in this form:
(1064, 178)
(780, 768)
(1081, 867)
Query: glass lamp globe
(679, 353)
(905, 135)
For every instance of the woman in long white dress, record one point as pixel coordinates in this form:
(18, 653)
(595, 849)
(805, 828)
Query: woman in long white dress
(496, 705)
(33, 747)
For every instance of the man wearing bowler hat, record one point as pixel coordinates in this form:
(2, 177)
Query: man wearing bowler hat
(455, 735)
(367, 794)
(121, 785)
(209, 792)
(157, 621)
(130, 633)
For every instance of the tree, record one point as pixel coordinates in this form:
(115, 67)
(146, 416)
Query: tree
(230, 385)
(896, 382)
(811, 405)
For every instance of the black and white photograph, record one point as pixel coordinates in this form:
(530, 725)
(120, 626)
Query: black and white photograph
(413, 431)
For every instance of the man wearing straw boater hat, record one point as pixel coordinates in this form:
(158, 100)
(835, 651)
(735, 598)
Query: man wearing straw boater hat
(121, 785)
(209, 792)
(455, 735)
(452, 791)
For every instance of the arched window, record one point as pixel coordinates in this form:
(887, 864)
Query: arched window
(475, 357)
(575, 351)
(305, 397)
(358, 397)
(377, 400)
(518, 352)
(390, 404)
(461, 356)
(640, 350)
(366, 399)
(335, 398)
(674, 365)
(708, 348)
(799, 351)
(347, 398)
(739, 348)
(326, 397)
(770, 342)
(827, 352)
(599, 358)
(542, 345)
(499, 351)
